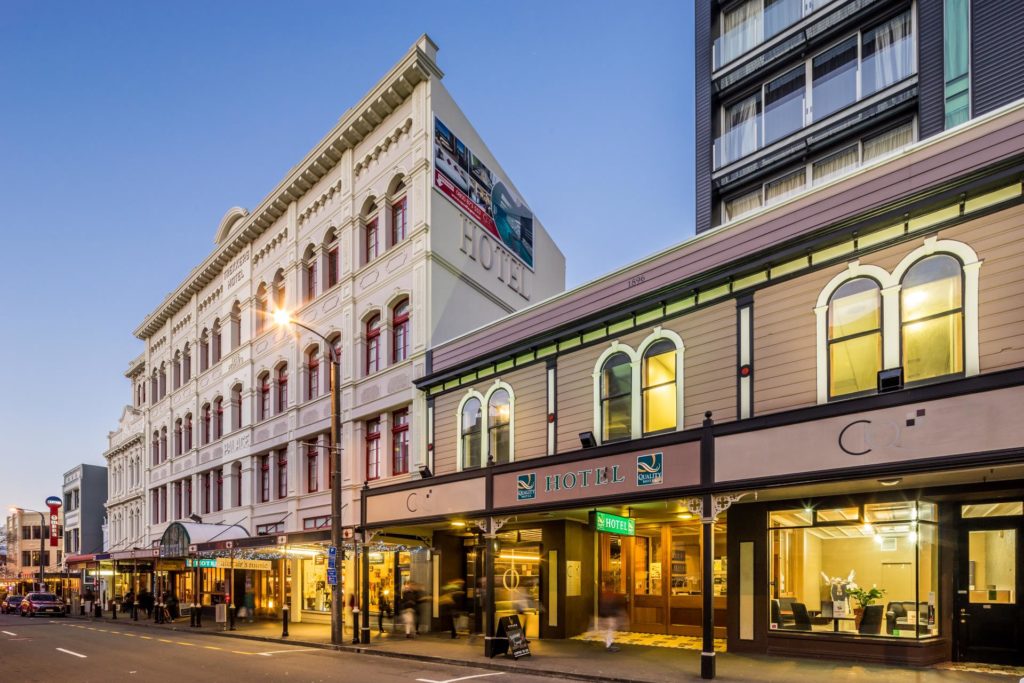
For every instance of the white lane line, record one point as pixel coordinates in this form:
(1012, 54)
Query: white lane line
(60, 649)
(8, 633)
(277, 652)
(464, 678)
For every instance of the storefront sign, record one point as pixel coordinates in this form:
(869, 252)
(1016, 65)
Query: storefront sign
(208, 563)
(674, 466)
(226, 563)
(54, 503)
(613, 524)
(457, 497)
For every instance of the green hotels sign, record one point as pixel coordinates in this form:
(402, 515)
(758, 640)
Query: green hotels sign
(613, 524)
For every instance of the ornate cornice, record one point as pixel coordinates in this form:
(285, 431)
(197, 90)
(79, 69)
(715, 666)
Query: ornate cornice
(355, 125)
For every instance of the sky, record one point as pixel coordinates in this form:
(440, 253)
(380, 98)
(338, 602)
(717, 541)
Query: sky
(127, 129)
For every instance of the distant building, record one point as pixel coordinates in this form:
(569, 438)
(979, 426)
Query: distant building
(85, 497)
(27, 535)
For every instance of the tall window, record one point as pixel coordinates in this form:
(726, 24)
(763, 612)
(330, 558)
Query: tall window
(400, 331)
(373, 448)
(279, 290)
(834, 78)
(400, 441)
(854, 337)
(282, 388)
(264, 478)
(215, 342)
(956, 29)
(236, 325)
(155, 448)
(310, 276)
(236, 407)
(398, 221)
(204, 351)
(163, 444)
(312, 468)
(312, 373)
(282, 475)
(186, 363)
(931, 317)
(163, 380)
(263, 406)
(659, 387)
(206, 492)
(219, 477)
(373, 344)
(616, 398)
(218, 417)
(470, 433)
(206, 417)
(333, 263)
(177, 437)
(237, 479)
(372, 247)
(176, 370)
(262, 308)
(187, 432)
(498, 426)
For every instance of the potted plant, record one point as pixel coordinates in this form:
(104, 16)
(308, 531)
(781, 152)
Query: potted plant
(864, 597)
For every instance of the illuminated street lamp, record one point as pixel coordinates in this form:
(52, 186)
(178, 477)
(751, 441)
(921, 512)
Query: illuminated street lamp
(283, 319)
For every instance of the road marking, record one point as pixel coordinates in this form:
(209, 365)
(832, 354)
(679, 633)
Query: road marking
(130, 635)
(146, 637)
(60, 649)
(239, 652)
(9, 633)
(277, 652)
(181, 642)
(90, 628)
(212, 647)
(464, 678)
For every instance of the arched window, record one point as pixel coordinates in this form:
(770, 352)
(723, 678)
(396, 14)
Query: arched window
(236, 325)
(400, 331)
(262, 308)
(932, 318)
(371, 233)
(470, 434)
(186, 363)
(163, 444)
(236, 407)
(154, 386)
(155, 454)
(854, 337)
(163, 380)
(398, 215)
(499, 442)
(204, 350)
(205, 418)
(186, 435)
(373, 344)
(312, 467)
(263, 405)
(279, 290)
(659, 387)
(310, 273)
(333, 262)
(218, 417)
(616, 398)
(215, 342)
(312, 373)
(176, 370)
(282, 475)
(177, 437)
(282, 388)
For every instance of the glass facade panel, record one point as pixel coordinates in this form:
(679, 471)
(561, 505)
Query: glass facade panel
(1013, 509)
(887, 54)
(888, 142)
(834, 165)
(791, 518)
(784, 105)
(993, 566)
(956, 23)
(834, 78)
(839, 515)
(788, 185)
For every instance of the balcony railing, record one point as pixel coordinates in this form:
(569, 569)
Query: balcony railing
(759, 27)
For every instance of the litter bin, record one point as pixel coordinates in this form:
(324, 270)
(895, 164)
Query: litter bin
(220, 614)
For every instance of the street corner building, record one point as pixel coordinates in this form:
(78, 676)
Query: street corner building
(795, 433)
(397, 231)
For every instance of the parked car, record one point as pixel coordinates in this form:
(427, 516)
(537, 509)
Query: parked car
(10, 604)
(41, 603)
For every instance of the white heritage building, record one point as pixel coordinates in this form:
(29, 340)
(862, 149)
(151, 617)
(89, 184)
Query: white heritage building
(125, 456)
(397, 231)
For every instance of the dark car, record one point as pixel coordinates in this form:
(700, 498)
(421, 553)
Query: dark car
(10, 604)
(41, 603)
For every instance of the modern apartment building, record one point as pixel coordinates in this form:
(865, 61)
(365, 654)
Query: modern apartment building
(795, 94)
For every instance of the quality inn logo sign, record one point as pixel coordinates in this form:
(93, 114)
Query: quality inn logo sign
(526, 486)
(649, 471)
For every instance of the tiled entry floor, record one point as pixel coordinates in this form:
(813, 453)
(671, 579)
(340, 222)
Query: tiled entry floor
(1014, 671)
(651, 639)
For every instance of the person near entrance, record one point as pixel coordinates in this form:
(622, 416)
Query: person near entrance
(610, 610)
(450, 602)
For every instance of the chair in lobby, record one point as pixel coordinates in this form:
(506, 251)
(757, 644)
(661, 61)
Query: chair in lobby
(871, 622)
(894, 611)
(801, 619)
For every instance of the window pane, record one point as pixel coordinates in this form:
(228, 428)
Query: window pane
(742, 122)
(790, 518)
(927, 582)
(1014, 509)
(471, 450)
(784, 105)
(933, 348)
(855, 308)
(736, 207)
(617, 376)
(888, 142)
(660, 364)
(834, 75)
(785, 187)
(616, 418)
(500, 444)
(660, 408)
(887, 54)
(834, 165)
(931, 286)
(839, 515)
(898, 511)
(854, 364)
(647, 562)
(993, 566)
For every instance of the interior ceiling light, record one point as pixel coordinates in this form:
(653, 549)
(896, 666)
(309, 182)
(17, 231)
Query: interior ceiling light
(890, 482)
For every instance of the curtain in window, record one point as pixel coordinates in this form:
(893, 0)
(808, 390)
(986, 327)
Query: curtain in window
(834, 165)
(736, 207)
(741, 29)
(888, 142)
(786, 186)
(892, 53)
(741, 121)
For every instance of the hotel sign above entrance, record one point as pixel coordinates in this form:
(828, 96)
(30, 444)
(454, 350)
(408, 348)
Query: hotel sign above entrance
(673, 466)
(612, 524)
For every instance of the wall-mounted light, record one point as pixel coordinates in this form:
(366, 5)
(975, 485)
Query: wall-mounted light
(587, 440)
(891, 481)
(425, 472)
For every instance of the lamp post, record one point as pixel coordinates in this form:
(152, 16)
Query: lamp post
(282, 318)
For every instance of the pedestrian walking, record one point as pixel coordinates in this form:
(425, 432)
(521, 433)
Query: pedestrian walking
(410, 600)
(610, 609)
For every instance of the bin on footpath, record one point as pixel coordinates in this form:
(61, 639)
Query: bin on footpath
(220, 614)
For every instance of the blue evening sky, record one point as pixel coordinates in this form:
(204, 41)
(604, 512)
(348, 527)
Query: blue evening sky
(127, 129)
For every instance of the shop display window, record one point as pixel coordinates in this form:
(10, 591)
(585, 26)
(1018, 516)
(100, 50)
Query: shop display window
(869, 570)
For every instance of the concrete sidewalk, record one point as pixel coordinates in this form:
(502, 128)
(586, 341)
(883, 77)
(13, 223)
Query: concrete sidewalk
(580, 660)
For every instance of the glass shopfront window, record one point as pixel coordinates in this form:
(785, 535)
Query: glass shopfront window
(870, 569)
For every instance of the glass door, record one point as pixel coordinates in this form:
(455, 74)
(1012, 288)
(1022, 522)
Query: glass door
(989, 619)
(613, 569)
(648, 580)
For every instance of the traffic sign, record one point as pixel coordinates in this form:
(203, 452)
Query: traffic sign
(332, 558)
(332, 550)
(332, 577)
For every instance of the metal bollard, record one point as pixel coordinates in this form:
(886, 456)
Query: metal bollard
(192, 615)
(97, 610)
(231, 617)
(159, 613)
(199, 614)
(355, 625)
(113, 610)
(284, 620)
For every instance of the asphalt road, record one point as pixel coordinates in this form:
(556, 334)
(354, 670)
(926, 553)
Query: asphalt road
(47, 650)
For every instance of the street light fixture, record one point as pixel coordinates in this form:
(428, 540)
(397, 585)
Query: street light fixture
(282, 319)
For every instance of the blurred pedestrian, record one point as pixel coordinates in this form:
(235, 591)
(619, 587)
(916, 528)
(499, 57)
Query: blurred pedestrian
(410, 601)
(610, 609)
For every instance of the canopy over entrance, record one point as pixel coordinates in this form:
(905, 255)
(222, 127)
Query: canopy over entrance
(178, 536)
